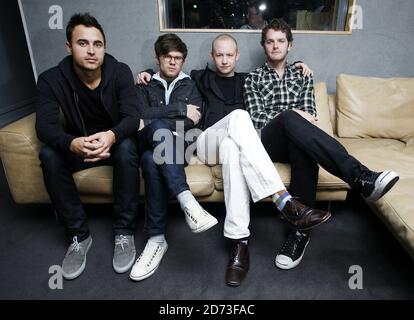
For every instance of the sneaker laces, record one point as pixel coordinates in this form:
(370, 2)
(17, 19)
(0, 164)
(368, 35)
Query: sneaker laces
(75, 246)
(192, 218)
(367, 178)
(292, 242)
(121, 240)
(146, 256)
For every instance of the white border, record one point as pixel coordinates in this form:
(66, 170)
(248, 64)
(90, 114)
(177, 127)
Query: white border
(29, 46)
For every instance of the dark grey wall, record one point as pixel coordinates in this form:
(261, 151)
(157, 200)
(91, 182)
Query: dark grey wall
(383, 48)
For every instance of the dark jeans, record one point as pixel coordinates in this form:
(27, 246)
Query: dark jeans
(289, 138)
(57, 172)
(161, 180)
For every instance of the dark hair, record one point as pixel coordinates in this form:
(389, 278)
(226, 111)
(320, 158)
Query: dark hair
(169, 42)
(82, 19)
(277, 25)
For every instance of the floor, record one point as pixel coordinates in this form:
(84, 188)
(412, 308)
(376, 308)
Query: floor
(32, 242)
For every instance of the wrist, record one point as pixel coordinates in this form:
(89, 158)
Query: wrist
(112, 136)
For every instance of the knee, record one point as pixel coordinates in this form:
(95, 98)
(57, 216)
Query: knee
(159, 124)
(240, 115)
(147, 161)
(126, 151)
(50, 158)
(288, 116)
(240, 118)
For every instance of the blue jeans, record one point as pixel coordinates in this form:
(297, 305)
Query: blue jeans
(162, 180)
(57, 173)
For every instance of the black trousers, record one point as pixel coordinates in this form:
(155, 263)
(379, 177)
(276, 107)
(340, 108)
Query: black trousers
(162, 180)
(57, 172)
(289, 138)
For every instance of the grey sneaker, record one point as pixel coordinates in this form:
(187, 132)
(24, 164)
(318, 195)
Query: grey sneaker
(75, 259)
(124, 253)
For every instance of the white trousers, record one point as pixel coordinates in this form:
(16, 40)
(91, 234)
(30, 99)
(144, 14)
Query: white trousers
(246, 167)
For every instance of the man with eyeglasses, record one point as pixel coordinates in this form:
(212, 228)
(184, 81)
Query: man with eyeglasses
(230, 139)
(170, 106)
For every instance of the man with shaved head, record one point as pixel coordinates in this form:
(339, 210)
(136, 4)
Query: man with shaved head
(230, 139)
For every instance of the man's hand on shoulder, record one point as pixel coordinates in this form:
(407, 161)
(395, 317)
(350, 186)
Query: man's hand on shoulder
(306, 71)
(193, 114)
(143, 78)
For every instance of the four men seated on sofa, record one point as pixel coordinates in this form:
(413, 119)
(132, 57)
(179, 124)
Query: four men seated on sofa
(111, 122)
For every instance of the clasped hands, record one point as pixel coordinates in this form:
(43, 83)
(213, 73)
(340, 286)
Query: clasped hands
(95, 147)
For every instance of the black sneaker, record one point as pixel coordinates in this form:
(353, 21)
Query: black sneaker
(374, 185)
(292, 250)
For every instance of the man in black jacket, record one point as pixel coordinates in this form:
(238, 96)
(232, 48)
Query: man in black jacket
(171, 105)
(96, 95)
(231, 140)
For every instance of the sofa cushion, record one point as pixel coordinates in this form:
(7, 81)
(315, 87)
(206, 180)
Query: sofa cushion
(396, 209)
(322, 108)
(98, 181)
(382, 154)
(375, 107)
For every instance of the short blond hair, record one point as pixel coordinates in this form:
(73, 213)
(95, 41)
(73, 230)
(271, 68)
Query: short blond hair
(224, 36)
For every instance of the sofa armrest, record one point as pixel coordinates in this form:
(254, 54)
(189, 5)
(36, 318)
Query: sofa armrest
(19, 150)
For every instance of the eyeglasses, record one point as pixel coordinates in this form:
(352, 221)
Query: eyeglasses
(177, 59)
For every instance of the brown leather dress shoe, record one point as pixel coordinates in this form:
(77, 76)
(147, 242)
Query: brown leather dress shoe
(303, 217)
(238, 264)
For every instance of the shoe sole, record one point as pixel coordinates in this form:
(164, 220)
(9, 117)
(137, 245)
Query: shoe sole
(327, 217)
(207, 226)
(149, 274)
(126, 268)
(76, 274)
(231, 284)
(295, 263)
(383, 184)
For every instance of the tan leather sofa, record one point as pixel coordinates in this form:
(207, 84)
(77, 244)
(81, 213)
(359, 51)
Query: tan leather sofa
(371, 117)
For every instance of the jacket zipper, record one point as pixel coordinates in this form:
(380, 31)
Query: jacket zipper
(80, 114)
(103, 103)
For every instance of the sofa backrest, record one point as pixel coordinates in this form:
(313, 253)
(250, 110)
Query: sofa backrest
(370, 107)
(323, 108)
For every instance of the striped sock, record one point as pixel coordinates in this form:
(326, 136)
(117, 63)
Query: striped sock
(281, 200)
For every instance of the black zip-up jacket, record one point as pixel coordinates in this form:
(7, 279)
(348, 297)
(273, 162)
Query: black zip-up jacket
(151, 98)
(56, 91)
(216, 106)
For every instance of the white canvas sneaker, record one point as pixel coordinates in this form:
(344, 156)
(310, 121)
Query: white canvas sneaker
(198, 219)
(148, 261)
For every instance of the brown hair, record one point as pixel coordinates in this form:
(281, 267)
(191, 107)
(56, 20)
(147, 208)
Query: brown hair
(277, 25)
(169, 42)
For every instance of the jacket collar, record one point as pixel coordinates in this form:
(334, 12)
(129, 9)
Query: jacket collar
(108, 68)
(288, 69)
(169, 89)
(209, 82)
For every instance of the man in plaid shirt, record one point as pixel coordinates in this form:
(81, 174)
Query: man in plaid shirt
(281, 103)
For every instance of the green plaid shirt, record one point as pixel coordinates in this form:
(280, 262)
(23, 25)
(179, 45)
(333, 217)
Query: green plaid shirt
(266, 95)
